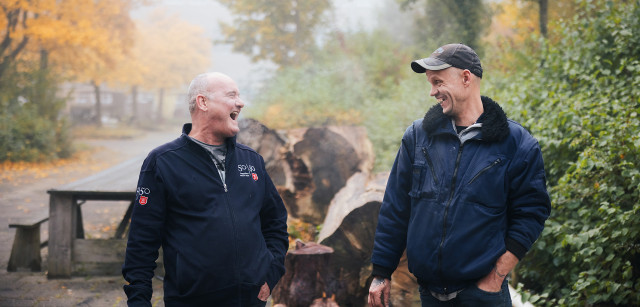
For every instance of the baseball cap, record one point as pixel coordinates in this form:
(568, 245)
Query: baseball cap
(450, 55)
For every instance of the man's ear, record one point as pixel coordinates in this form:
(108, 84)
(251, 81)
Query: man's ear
(466, 77)
(201, 102)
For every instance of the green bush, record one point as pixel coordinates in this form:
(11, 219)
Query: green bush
(582, 104)
(30, 126)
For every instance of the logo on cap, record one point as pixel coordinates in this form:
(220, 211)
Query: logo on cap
(439, 50)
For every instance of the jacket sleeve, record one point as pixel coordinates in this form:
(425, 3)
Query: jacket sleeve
(273, 219)
(391, 232)
(529, 203)
(145, 236)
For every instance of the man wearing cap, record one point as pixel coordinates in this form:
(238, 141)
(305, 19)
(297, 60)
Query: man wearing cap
(466, 196)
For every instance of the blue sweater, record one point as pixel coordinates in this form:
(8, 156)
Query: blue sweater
(221, 241)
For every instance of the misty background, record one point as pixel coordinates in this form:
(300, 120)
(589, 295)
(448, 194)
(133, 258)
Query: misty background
(568, 71)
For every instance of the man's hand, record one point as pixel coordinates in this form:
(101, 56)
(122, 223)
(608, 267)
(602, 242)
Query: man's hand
(264, 292)
(493, 281)
(379, 292)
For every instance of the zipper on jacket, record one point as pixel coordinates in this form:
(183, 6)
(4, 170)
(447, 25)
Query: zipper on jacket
(433, 171)
(232, 215)
(446, 209)
(496, 162)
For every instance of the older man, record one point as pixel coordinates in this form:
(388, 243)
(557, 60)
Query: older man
(210, 204)
(466, 196)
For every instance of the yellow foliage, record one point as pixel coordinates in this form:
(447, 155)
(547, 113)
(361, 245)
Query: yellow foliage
(21, 172)
(280, 31)
(514, 25)
(298, 229)
(80, 37)
(169, 51)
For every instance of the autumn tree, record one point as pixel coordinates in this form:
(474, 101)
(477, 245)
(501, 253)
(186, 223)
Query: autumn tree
(40, 40)
(168, 52)
(280, 31)
(97, 48)
(439, 22)
(521, 29)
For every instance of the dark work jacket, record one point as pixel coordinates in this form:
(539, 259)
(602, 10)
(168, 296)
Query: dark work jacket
(457, 203)
(221, 241)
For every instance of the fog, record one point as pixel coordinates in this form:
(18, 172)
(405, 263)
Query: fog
(348, 15)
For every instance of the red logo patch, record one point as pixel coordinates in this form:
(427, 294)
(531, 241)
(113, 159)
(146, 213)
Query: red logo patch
(255, 176)
(143, 200)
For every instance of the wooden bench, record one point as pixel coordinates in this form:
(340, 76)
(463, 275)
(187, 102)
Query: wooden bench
(25, 252)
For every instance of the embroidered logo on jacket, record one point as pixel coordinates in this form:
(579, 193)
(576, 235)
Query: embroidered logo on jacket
(143, 191)
(255, 176)
(247, 170)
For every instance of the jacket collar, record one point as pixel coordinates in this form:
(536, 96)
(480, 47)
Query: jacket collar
(231, 142)
(494, 121)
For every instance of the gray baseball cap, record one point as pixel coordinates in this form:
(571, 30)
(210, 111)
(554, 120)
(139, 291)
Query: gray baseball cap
(450, 55)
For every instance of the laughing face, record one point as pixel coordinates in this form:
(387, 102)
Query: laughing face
(447, 87)
(223, 108)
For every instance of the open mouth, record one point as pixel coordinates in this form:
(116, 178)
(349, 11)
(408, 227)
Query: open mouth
(440, 100)
(234, 115)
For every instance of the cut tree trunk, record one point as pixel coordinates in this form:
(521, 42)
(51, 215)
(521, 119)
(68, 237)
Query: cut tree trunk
(271, 147)
(305, 276)
(349, 229)
(309, 165)
(331, 155)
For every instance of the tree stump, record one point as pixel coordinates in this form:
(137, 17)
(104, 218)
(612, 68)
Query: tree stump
(304, 279)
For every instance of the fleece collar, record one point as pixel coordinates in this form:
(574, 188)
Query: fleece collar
(494, 121)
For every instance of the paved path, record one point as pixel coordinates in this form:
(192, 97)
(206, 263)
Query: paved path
(23, 194)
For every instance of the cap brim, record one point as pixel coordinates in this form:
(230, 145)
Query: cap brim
(421, 66)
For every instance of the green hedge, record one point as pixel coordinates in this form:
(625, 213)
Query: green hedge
(582, 104)
(31, 128)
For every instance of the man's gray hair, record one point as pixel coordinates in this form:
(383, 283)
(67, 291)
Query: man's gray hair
(199, 85)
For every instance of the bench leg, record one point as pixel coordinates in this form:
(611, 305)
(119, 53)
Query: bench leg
(25, 252)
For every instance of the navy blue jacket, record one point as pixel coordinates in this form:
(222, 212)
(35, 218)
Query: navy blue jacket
(458, 203)
(221, 241)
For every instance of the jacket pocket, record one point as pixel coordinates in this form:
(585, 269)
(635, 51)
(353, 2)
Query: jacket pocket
(485, 169)
(184, 275)
(430, 165)
(423, 184)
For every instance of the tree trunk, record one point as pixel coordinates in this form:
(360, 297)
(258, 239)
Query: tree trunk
(349, 229)
(134, 105)
(309, 166)
(544, 15)
(98, 115)
(8, 54)
(271, 147)
(330, 155)
(305, 276)
(160, 117)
